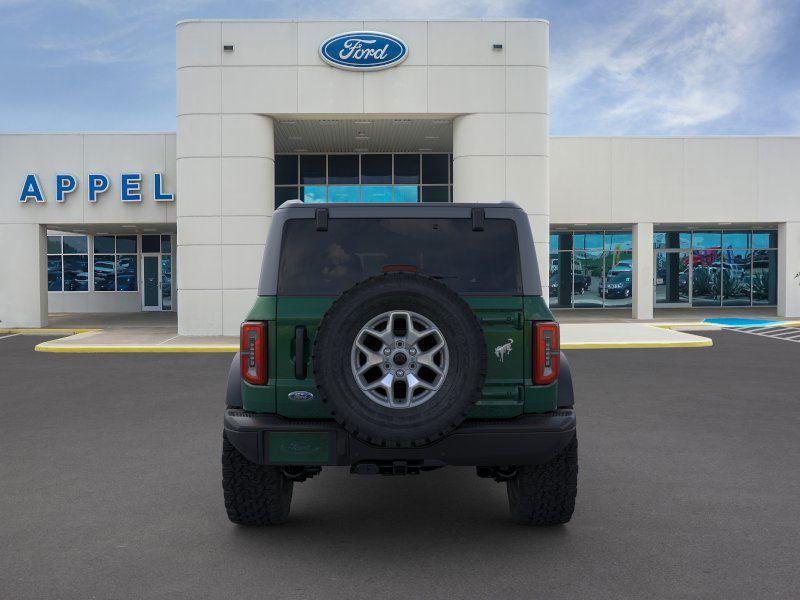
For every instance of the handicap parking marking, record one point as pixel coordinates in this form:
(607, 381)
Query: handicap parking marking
(776, 332)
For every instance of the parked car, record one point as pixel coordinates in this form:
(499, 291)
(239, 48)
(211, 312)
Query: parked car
(618, 285)
(379, 365)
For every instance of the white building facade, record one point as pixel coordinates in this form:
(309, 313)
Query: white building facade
(126, 222)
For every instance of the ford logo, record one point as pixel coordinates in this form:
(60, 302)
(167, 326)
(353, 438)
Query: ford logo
(363, 50)
(300, 396)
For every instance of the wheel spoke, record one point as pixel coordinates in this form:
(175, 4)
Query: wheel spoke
(414, 336)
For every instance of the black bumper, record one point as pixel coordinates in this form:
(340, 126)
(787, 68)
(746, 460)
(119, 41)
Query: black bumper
(527, 440)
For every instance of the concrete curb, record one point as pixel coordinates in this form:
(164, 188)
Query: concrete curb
(153, 348)
(704, 343)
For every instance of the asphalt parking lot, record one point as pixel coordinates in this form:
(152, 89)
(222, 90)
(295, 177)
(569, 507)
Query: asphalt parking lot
(689, 487)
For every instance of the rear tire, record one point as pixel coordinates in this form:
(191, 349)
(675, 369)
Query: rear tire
(254, 494)
(545, 494)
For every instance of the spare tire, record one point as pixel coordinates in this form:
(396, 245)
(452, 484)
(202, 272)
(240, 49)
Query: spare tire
(399, 359)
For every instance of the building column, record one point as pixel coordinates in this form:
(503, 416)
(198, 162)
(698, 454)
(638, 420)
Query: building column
(642, 271)
(226, 176)
(23, 271)
(789, 269)
(505, 157)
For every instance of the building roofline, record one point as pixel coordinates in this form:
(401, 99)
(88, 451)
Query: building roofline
(463, 20)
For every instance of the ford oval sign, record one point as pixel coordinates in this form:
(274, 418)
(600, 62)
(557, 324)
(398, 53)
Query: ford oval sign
(363, 50)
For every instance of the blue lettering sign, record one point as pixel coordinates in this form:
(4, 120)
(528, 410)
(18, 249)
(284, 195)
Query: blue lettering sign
(363, 50)
(158, 195)
(65, 184)
(31, 189)
(131, 188)
(98, 184)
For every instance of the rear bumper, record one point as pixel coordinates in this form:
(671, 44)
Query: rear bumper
(528, 440)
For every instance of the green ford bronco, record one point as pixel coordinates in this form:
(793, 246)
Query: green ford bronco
(397, 339)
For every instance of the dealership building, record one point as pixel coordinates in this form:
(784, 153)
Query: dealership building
(389, 111)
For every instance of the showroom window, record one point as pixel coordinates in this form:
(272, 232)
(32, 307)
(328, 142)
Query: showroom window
(716, 267)
(115, 263)
(376, 177)
(67, 263)
(591, 269)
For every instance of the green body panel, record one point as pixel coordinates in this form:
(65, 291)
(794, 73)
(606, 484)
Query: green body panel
(508, 391)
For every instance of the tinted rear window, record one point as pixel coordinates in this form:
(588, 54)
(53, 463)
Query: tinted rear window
(351, 250)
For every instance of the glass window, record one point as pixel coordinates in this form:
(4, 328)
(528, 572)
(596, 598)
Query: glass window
(342, 193)
(54, 244)
(672, 239)
(706, 239)
(706, 278)
(151, 243)
(166, 282)
(406, 168)
(312, 168)
(104, 272)
(588, 241)
(327, 263)
(435, 193)
(406, 193)
(765, 277)
(672, 277)
(76, 273)
(434, 168)
(54, 278)
(376, 193)
(618, 241)
(314, 193)
(126, 244)
(376, 168)
(735, 277)
(618, 280)
(736, 239)
(561, 279)
(283, 194)
(104, 244)
(166, 244)
(587, 278)
(285, 169)
(765, 239)
(343, 168)
(126, 273)
(75, 244)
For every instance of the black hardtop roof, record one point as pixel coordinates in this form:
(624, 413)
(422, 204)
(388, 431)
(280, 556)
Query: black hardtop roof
(298, 209)
(295, 209)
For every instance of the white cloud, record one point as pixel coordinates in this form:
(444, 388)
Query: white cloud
(671, 68)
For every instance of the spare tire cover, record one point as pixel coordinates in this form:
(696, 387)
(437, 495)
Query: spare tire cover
(399, 359)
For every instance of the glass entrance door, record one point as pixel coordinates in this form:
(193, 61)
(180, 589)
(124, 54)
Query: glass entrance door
(151, 276)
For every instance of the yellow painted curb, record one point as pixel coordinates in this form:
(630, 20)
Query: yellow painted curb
(100, 349)
(46, 331)
(704, 343)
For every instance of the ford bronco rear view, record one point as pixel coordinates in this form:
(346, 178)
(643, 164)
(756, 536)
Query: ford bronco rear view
(398, 339)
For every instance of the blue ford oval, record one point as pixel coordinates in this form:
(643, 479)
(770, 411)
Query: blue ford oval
(363, 50)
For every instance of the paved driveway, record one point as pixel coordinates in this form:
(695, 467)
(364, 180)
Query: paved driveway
(689, 487)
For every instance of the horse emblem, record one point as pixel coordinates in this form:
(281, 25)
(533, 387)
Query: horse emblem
(503, 350)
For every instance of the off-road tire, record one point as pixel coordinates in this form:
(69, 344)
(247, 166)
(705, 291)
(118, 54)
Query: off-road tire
(254, 494)
(382, 425)
(545, 494)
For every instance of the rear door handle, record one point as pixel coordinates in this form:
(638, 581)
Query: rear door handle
(300, 370)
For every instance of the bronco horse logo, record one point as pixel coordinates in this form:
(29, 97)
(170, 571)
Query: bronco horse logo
(503, 350)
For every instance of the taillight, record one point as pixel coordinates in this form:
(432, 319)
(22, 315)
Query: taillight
(546, 352)
(253, 351)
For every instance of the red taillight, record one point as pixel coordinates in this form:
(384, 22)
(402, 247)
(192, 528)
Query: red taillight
(253, 350)
(546, 352)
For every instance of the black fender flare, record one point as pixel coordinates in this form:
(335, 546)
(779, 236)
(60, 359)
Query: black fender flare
(233, 395)
(566, 396)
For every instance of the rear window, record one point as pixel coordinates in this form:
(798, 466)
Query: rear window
(329, 262)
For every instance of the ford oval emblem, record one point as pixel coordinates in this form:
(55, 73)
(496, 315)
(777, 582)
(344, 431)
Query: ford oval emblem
(301, 396)
(363, 50)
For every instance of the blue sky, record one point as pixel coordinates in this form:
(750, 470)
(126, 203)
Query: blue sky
(617, 68)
